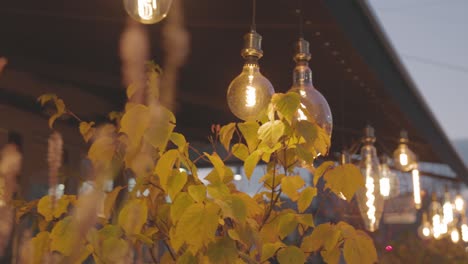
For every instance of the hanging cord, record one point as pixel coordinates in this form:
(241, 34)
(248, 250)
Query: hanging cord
(253, 26)
(301, 18)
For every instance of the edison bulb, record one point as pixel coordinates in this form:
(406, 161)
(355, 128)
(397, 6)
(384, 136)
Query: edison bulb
(389, 183)
(404, 158)
(416, 188)
(249, 93)
(314, 107)
(424, 230)
(370, 200)
(464, 230)
(455, 235)
(147, 11)
(459, 203)
(447, 209)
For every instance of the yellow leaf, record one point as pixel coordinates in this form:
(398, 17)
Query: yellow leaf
(271, 132)
(253, 208)
(133, 216)
(317, 239)
(45, 98)
(218, 191)
(304, 154)
(305, 219)
(53, 118)
(240, 151)
(331, 256)
(320, 171)
(217, 163)
(270, 181)
(316, 138)
(223, 250)
(63, 237)
(305, 198)
(39, 248)
(115, 116)
(290, 186)
(226, 133)
(181, 202)
(179, 140)
(87, 130)
(287, 104)
(176, 183)
(345, 179)
(162, 123)
(251, 162)
(134, 123)
(346, 229)
(114, 250)
(109, 202)
(165, 165)
(197, 192)
(102, 151)
(287, 223)
(291, 255)
(50, 211)
(360, 249)
(187, 258)
(270, 249)
(198, 224)
(249, 131)
(234, 207)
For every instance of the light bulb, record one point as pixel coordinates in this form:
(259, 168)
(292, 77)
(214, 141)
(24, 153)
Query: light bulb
(435, 214)
(416, 188)
(250, 92)
(314, 107)
(424, 230)
(459, 203)
(447, 209)
(464, 230)
(370, 201)
(389, 183)
(455, 235)
(404, 158)
(147, 11)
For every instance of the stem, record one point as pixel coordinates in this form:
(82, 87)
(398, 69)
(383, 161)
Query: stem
(169, 249)
(73, 115)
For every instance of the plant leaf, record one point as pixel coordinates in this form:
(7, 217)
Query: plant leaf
(287, 104)
(360, 249)
(291, 255)
(320, 171)
(87, 130)
(251, 162)
(240, 151)
(305, 198)
(109, 202)
(134, 123)
(249, 131)
(133, 216)
(344, 179)
(271, 132)
(197, 192)
(226, 133)
(291, 185)
(217, 163)
(165, 165)
(176, 183)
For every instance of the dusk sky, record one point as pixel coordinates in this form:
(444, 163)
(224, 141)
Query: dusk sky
(431, 37)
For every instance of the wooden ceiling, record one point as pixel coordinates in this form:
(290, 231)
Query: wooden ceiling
(77, 42)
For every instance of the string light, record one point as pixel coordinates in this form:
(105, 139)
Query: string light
(147, 11)
(416, 188)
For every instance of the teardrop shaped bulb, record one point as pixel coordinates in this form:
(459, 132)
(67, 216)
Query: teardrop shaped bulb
(147, 11)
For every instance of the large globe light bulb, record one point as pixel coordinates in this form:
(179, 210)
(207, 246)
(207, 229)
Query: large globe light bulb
(147, 11)
(405, 159)
(250, 92)
(316, 106)
(369, 199)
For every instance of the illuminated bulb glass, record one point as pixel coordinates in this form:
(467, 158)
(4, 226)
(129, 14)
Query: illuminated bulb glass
(237, 177)
(464, 230)
(435, 214)
(370, 201)
(147, 11)
(455, 235)
(447, 209)
(249, 93)
(416, 189)
(389, 183)
(404, 158)
(459, 203)
(314, 107)
(424, 230)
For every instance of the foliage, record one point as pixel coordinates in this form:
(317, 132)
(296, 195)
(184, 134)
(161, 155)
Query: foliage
(183, 220)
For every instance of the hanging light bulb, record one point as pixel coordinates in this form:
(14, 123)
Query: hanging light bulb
(314, 107)
(389, 183)
(455, 235)
(424, 230)
(370, 201)
(147, 11)
(416, 187)
(447, 208)
(250, 92)
(459, 203)
(464, 229)
(435, 213)
(404, 157)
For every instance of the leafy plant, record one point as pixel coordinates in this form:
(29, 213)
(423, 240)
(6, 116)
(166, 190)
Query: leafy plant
(183, 220)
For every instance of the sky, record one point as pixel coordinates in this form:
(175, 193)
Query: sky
(431, 37)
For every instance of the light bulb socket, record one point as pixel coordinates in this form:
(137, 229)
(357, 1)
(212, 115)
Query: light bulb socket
(344, 157)
(404, 137)
(302, 50)
(252, 45)
(369, 135)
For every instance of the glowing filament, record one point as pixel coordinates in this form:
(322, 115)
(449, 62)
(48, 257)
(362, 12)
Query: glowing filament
(448, 213)
(385, 186)
(455, 236)
(436, 226)
(403, 159)
(464, 232)
(146, 7)
(426, 231)
(459, 203)
(416, 189)
(251, 96)
(370, 198)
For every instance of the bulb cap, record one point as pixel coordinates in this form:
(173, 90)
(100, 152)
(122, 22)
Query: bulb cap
(369, 135)
(302, 50)
(252, 45)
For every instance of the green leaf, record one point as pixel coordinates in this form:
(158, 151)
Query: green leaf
(270, 249)
(165, 165)
(134, 123)
(197, 192)
(176, 183)
(249, 131)
(251, 162)
(179, 140)
(271, 132)
(109, 202)
(360, 249)
(87, 130)
(305, 198)
(64, 237)
(217, 163)
(181, 203)
(133, 216)
(226, 133)
(240, 151)
(291, 185)
(291, 255)
(287, 104)
(344, 180)
(320, 171)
